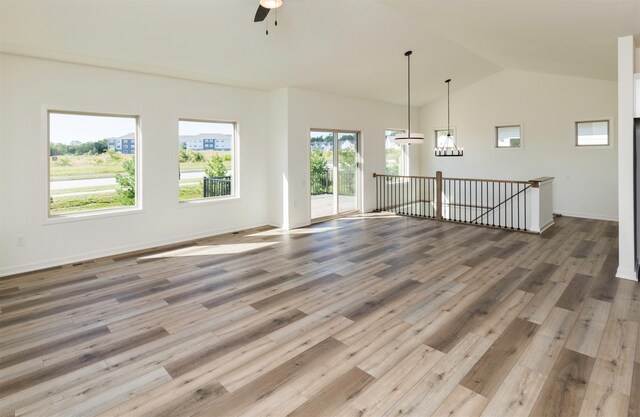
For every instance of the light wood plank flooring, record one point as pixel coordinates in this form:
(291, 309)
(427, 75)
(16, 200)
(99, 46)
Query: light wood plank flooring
(364, 316)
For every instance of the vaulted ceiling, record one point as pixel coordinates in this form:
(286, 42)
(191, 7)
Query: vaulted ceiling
(345, 47)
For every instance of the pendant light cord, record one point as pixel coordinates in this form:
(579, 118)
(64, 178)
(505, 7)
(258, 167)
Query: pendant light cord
(408, 54)
(448, 110)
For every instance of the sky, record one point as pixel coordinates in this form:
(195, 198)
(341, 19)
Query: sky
(64, 128)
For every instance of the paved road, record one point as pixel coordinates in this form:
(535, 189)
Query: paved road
(97, 182)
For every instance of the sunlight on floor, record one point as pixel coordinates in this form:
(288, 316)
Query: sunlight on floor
(304, 231)
(203, 250)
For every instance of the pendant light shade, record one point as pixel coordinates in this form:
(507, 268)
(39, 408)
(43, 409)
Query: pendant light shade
(409, 137)
(270, 4)
(404, 138)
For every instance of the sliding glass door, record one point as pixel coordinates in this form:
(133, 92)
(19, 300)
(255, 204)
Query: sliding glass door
(334, 172)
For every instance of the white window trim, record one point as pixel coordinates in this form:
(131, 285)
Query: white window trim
(494, 136)
(612, 137)
(48, 218)
(235, 185)
(405, 157)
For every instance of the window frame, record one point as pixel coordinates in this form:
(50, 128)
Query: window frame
(235, 158)
(496, 128)
(609, 143)
(97, 213)
(444, 129)
(404, 164)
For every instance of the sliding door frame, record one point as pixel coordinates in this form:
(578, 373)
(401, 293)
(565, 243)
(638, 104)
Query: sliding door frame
(336, 173)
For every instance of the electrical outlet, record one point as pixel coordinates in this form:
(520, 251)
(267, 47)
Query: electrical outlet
(21, 240)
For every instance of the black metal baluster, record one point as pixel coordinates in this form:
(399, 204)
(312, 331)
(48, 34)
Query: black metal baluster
(421, 188)
(525, 207)
(511, 205)
(384, 193)
(429, 197)
(475, 203)
(500, 202)
(465, 201)
(459, 199)
(493, 203)
(461, 209)
(518, 190)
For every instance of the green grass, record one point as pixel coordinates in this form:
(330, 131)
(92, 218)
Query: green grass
(84, 189)
(76, 204)
(76, 167)
(86, 166)
(199, 166)
(190, 192)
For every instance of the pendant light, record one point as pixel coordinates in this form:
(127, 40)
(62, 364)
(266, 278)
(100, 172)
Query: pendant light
(449, 147)
(409, 137)
(270, 4)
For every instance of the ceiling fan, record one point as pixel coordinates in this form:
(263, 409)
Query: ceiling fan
(263, 10)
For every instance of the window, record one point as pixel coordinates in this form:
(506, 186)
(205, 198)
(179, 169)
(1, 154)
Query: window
(92, 162)
(592, 133)
(396, 156)
(207, 159)
(508, 136)
(441, 138)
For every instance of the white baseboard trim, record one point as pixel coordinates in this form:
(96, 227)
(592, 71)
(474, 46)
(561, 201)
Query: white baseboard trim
(626, 273)
(297, 225)
(587, 216)
(19, 269)
(547, 225)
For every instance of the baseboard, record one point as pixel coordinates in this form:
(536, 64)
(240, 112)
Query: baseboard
(547, 225)
(19, 269)
(588, 216)
(296, 225)
(626, 273)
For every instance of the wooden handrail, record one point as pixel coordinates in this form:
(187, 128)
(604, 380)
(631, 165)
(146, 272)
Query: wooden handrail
(401, 176)
(531, 182)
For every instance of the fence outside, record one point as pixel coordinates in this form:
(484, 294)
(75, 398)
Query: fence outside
(504, 204)
(322, 182)
(216, 186)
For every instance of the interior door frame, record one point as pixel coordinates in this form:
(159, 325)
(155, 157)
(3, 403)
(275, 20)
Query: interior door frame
(336, 202)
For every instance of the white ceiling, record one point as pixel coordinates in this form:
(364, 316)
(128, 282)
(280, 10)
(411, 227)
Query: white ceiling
(345, 47)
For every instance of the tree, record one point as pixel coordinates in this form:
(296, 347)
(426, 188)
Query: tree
(184, 155)
(318, 160)
(216, 167)
(127, 183)
(197, 156)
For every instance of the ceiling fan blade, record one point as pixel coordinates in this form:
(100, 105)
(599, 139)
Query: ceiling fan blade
(261, 14)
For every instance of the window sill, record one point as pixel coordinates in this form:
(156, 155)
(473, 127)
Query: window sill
(94, 215)
(205, 201)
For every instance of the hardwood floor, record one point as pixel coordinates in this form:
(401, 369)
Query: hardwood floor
(363, 316)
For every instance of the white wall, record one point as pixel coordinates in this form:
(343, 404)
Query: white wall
(625, 158)
(310, 110)
(547, 106)
(29, 86)
(278, 159)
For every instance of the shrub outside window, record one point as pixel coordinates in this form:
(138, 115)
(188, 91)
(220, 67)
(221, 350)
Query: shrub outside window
(93, 161)
(206, 155)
